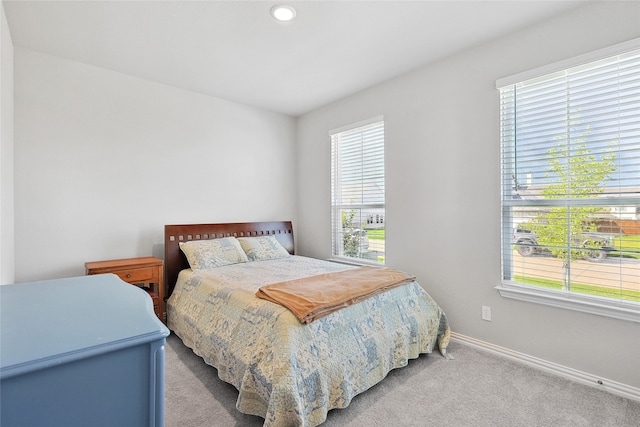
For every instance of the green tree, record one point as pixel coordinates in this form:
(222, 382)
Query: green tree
(350, 234)
(579, 174)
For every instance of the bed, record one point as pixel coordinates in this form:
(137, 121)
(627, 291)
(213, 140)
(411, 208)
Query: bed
(287, 372)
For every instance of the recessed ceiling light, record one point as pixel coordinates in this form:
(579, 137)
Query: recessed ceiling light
(283, 12)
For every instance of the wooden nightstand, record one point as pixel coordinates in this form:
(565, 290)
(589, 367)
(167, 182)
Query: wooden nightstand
(146, 272)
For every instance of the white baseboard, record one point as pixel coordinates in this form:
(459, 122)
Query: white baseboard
(610, 386)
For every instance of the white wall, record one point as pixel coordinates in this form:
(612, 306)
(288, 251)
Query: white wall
(443, 189)
(7, 271)
(103, 161)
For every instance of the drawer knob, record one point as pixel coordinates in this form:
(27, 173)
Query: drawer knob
(128, 276)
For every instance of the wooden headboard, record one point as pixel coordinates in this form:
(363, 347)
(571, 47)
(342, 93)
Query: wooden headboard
(175, 261)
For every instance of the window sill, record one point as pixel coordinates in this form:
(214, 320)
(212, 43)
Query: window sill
(354, 261)
(623, 310)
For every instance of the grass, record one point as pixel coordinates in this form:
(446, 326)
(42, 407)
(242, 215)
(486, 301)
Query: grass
(582, 288)
(376, 234)
(630, 245)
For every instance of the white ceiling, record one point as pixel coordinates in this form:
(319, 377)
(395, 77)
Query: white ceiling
(236, 51)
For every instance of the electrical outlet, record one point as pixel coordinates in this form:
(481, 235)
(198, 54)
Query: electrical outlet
(486, 313)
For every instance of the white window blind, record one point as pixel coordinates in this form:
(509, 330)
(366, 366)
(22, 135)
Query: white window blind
(357, 192)
(570, 145)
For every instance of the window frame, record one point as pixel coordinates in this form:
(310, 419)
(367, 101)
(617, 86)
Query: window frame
(337, 207)
(609, 307)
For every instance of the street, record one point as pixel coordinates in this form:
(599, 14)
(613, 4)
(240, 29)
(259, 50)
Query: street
(615, 272)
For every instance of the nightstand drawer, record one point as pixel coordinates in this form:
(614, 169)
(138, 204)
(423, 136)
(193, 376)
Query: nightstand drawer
(138, 275)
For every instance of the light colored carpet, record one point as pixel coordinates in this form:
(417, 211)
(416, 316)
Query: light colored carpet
(476, 389)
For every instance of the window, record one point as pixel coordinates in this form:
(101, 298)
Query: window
(357, 192)
(570, 145)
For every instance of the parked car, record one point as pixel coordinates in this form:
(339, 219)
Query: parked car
(596, 245)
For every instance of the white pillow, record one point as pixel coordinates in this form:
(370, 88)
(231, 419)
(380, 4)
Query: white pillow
(208, 254)
(262, 248)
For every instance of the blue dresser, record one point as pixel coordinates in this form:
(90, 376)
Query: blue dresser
(82, 351)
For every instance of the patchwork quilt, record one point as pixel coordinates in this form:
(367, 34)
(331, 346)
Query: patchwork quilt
(289, 373)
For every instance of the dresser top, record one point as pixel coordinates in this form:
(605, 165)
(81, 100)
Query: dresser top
(55, 321)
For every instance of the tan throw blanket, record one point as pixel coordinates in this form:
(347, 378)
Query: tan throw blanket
(311, 298)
